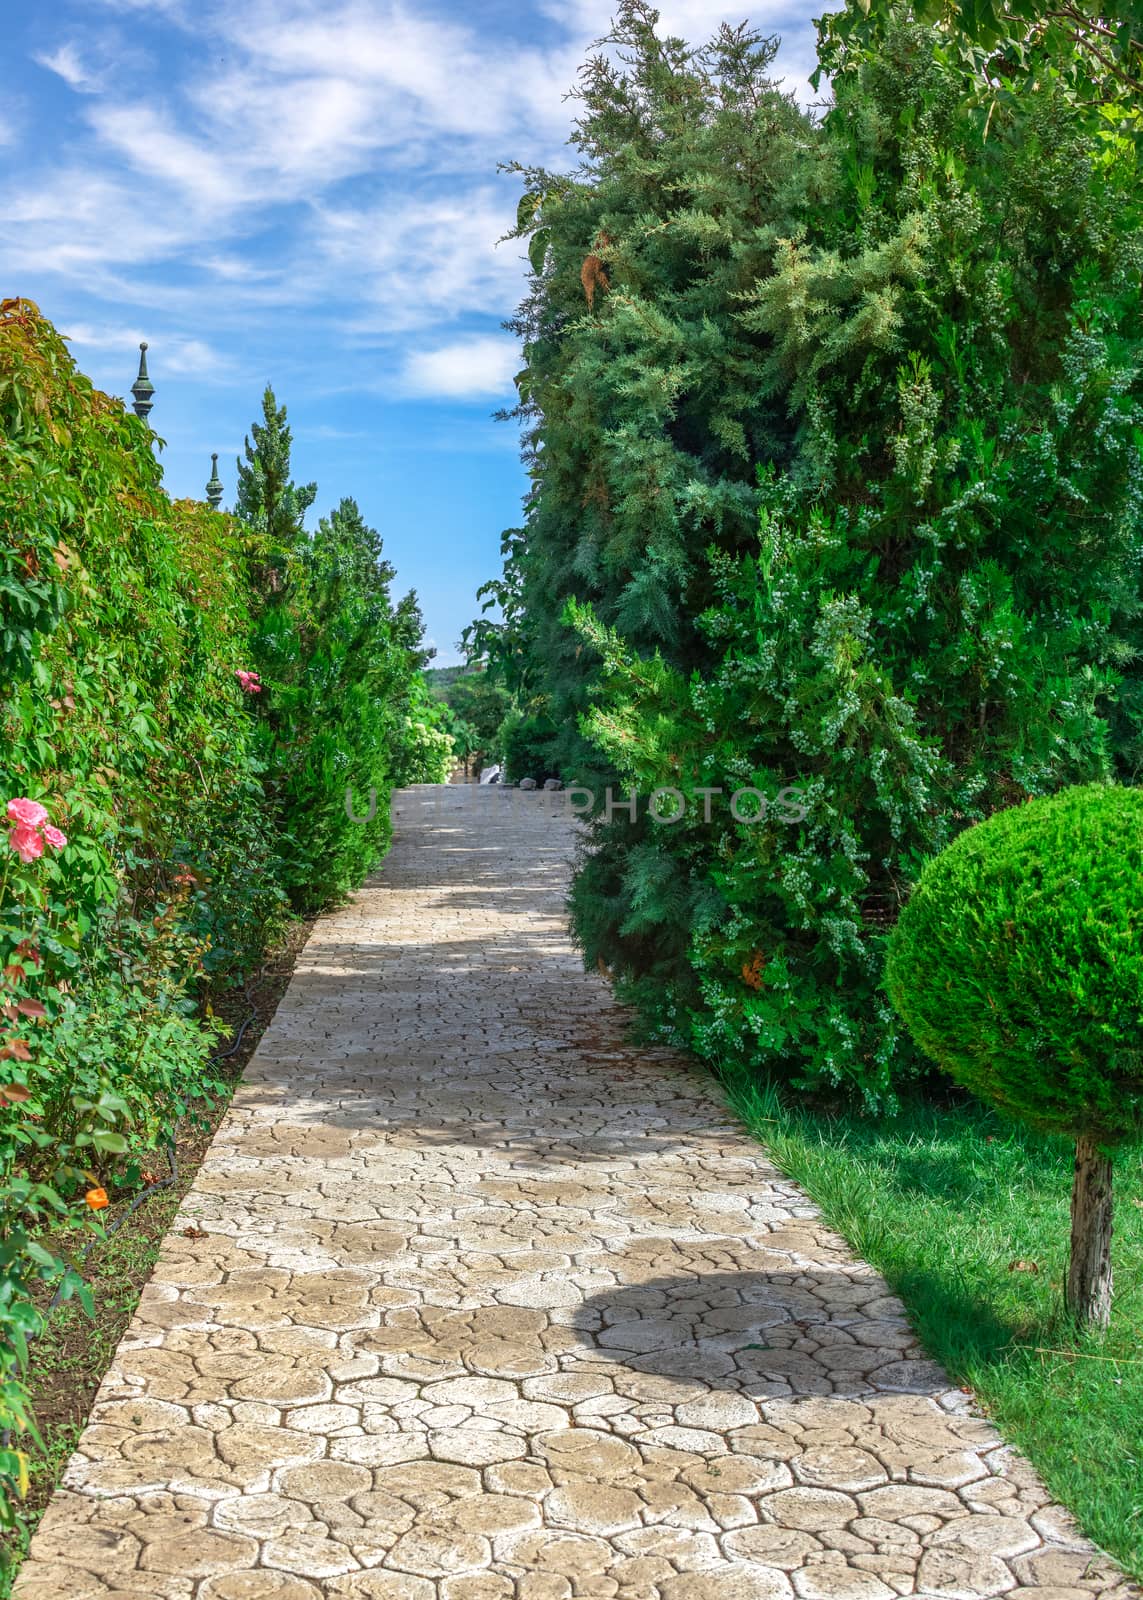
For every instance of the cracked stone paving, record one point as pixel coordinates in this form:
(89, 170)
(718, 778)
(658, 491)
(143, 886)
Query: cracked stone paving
(485, 1302)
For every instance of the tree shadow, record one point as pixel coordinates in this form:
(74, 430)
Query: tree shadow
(807, 1330)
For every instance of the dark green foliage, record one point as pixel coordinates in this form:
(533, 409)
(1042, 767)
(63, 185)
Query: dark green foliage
(529, 744)
(1095, 52)
(475, 707)
(339, 664)
(128, 623)
(1017, 964)
(504, 645)
(841, 470)
(268, 501)
(644, 421)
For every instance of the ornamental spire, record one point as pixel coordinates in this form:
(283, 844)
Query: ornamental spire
(143, 388)
(214, 487)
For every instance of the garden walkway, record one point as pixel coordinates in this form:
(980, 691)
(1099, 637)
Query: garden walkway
(472, 1299)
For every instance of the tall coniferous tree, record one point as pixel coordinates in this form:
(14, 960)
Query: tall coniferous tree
(644, 427)
(866, 521)
(342, 707)
(268, 501)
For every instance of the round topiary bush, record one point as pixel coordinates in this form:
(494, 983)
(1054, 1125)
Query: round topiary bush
(1017, 965)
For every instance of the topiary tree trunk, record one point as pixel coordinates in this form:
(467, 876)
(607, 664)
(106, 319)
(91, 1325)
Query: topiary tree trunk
(1088, 1294)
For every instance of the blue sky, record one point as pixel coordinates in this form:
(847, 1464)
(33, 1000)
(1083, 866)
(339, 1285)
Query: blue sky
(304, 192)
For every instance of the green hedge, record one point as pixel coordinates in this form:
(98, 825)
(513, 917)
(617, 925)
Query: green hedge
(1018, 962)
(834, 429)
(183, 705)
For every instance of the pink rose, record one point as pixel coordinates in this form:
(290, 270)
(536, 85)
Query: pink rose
(55, 838)
(26, 842)
(29, 812)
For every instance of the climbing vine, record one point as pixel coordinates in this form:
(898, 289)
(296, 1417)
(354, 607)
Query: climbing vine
(184, 696)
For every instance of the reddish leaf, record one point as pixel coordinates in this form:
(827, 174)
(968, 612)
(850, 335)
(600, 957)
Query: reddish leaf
(32, 1008)
(14, 1093)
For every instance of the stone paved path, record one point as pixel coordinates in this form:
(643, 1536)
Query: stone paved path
(479, 1302)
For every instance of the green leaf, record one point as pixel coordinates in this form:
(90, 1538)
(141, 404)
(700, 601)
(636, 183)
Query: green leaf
(526, 210)
(538, 249)
(107, 1139)
(38, 1253)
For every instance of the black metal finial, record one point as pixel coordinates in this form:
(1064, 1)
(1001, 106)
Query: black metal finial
(143, 388)
(214, 487)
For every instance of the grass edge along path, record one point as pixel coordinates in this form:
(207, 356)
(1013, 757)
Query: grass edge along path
(967, 1218)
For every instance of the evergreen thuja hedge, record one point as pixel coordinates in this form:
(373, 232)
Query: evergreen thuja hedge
(838, 486)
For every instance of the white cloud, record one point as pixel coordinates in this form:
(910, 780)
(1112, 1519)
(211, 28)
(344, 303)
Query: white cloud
(65, 62)
(182, 164)
(191, 356)
(333, 155)
(67, 220)
(175, 353)
(175, 10)
(417, 74)
(325, 431)
(414, 262)
(464, 370)
(229, 267)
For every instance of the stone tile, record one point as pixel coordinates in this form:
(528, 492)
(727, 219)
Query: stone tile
(493, 1304)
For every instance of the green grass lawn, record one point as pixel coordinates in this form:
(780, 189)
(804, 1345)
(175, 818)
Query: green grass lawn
(968, 1217)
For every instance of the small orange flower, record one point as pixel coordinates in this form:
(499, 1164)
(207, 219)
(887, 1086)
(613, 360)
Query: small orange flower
(97, 1199)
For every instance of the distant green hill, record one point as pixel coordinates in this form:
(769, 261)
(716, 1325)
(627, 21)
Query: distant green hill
(438, 678)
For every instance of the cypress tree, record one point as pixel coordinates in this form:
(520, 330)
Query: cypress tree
(267, 501)
(835, 438)
(643, 422)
